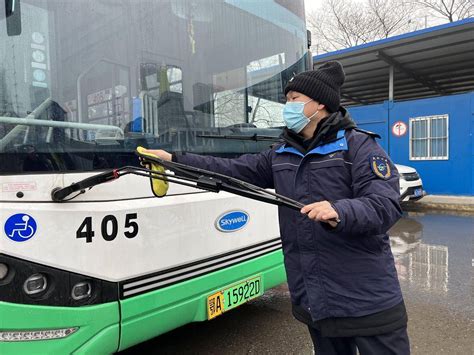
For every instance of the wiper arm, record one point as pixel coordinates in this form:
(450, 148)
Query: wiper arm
(60, 194)
(253, 137)
(187, 175)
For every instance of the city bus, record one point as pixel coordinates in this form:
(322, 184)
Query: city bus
(83, 83)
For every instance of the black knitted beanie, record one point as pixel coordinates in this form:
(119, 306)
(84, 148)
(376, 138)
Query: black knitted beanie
(322, 85)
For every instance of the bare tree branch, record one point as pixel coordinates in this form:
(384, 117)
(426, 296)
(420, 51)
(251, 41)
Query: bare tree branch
(345, 23)
(451, 10)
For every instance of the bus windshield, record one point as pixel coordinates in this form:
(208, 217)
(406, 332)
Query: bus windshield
(83, 83)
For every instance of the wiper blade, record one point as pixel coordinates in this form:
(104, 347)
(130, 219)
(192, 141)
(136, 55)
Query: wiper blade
(225, 183)
(253, 137)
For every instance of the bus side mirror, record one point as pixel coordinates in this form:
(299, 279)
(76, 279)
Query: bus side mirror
(10, 10)
(7, 8)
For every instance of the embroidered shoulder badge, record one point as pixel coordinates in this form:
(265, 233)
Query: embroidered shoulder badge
(380, 166)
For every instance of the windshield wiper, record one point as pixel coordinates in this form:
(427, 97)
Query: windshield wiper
(253, 137)
(185, 175)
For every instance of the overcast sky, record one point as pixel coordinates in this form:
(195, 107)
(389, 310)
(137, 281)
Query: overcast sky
(311, 5)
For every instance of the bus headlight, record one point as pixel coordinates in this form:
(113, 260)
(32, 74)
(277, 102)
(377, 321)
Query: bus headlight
(3, 271)
(81, 290)
(26, 282)
(35, 284)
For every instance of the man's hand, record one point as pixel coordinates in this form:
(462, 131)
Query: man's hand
(321, 211)
(162, 154)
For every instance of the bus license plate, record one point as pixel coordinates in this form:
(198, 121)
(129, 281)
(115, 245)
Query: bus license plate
(233, 296)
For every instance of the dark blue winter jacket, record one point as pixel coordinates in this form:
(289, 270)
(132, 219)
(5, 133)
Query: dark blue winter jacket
(347, 271)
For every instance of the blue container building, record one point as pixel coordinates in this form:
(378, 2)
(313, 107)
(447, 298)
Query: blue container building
(417, 91)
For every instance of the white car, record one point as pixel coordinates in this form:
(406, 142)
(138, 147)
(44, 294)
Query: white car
(411, 186)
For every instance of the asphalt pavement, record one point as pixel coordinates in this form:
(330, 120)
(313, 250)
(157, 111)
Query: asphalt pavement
(435, 261)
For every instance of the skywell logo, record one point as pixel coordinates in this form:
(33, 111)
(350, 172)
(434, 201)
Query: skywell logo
(232, 221)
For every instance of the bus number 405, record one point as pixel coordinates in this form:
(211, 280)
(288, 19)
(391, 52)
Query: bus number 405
(108, 228)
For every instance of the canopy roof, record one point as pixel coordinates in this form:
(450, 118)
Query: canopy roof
(431, 62)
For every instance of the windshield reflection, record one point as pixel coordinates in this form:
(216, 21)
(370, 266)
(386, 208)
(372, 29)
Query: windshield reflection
(86, 82)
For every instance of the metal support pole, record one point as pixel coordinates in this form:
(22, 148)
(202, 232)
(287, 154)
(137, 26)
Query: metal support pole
(390, 84)
(389, 106)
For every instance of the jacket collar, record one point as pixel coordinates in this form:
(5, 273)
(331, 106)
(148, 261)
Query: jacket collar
(339, 144)
(326, 131)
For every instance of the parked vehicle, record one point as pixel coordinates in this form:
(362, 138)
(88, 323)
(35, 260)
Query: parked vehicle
(411, 186)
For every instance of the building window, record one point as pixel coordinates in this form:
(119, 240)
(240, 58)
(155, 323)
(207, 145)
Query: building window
(429, 138)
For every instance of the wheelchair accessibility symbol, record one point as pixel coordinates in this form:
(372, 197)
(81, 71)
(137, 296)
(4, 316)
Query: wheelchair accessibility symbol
(20, 227)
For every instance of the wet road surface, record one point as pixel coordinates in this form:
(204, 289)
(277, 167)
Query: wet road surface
(435, 261)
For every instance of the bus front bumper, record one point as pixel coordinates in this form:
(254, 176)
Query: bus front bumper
(32, 329)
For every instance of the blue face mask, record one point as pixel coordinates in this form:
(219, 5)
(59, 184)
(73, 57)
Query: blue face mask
(293, 114)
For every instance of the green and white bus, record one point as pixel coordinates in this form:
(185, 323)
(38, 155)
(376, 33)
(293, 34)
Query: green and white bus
(82, 84)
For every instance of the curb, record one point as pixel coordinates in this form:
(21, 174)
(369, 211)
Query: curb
(432, 206)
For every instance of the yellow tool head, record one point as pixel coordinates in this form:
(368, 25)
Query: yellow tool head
(159, 187)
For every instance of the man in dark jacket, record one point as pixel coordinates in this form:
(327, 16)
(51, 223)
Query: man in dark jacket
(340, 269)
